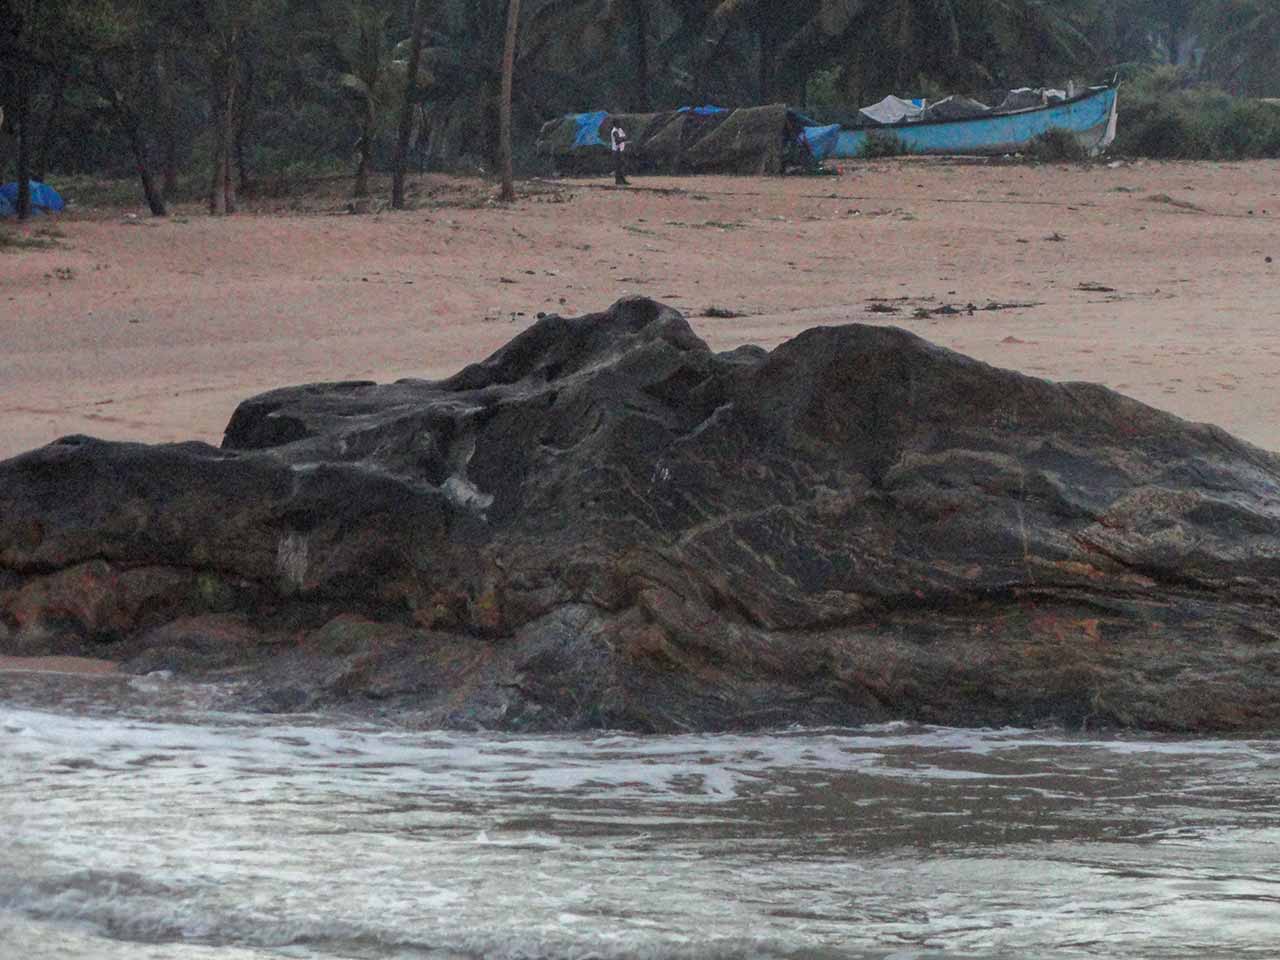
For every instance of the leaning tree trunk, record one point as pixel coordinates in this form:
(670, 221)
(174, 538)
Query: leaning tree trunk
(400, 158)
(24, 142)
(132, 126)
(504, 105)
(167, 70)
(155, 200)
(169, 160)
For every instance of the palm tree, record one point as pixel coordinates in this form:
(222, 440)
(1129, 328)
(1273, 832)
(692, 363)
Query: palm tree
(462, 59)
(508, 70)
(369, 81)
(888, 46)
(223, 29)
(1245, 51)
(409, 103)
(1039, 41)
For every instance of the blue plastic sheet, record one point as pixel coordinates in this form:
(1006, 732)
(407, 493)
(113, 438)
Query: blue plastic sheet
(589, 129)
(1000, 133)
(822, 140)
(703, 111)
(44, 199)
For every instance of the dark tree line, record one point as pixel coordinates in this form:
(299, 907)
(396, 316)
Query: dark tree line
(231, 90)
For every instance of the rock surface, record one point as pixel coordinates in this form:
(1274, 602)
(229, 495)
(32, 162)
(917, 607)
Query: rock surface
(607, 525)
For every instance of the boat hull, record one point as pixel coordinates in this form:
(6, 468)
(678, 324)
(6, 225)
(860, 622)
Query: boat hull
(1090, 118)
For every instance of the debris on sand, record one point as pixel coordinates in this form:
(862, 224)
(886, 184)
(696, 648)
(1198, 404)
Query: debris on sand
(949, 310)
(1174, 202)
(722, 313)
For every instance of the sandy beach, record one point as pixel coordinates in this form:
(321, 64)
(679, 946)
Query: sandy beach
(1159, 280)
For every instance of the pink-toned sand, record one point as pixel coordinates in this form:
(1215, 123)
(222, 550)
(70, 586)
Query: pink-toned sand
(154, 330)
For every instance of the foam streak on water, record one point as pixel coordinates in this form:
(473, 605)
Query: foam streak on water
(141, 822)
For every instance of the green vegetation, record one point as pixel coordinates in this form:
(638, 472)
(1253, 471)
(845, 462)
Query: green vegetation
(42, 238)
(216, 99)
(11, 242)
(1165, 117)
(1058, 145)
(878, 145)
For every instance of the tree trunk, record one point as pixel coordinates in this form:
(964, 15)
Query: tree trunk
(218, 196)
(765, 67)
(132, 125)
(40, 166)
(168, 73)
(222, 191)
(169, 160)
(229, 123)
(504, 121)
(24, 142)
(155, 201)
(641, 10)
(366, 153)
(401, 155)
(244, 120)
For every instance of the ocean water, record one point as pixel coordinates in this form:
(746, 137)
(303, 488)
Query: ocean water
(144, 819)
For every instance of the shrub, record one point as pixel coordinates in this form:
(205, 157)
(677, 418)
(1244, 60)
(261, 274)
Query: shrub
(1162, 117)
(822, 92)
(1057, 144)
(882, 144)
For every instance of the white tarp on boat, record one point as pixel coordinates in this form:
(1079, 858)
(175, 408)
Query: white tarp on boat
(891, 109)
(1030, 98)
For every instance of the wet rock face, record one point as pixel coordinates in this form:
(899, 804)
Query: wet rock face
(606, 524)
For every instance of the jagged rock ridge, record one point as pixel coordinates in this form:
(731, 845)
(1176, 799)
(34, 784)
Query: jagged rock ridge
(607, 524)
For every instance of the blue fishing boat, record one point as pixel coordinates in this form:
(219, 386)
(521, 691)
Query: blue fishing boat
(1090, 117)
(774, 138)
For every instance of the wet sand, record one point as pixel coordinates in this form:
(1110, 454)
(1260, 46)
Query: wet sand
(1150, 278)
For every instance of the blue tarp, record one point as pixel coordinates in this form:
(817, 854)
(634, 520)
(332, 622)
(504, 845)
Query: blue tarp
(588, 124)
(44, 199)
(822, 140)
(589, 129)
(1089, 117)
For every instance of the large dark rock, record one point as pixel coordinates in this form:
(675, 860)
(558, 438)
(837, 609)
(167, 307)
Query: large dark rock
(606, 524)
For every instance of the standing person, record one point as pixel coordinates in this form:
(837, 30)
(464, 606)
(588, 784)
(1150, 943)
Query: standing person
(618, 140)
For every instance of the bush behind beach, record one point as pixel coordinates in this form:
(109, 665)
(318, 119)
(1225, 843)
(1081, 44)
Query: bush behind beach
(1162, 118)
(879, 144)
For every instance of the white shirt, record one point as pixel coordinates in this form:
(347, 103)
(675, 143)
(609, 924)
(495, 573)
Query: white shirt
(618, 137)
